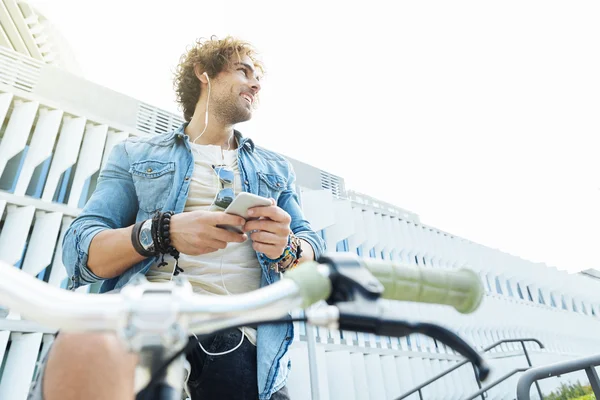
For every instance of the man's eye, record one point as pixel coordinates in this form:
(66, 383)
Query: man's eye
(244, 71)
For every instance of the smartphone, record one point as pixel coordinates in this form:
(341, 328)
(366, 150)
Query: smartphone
(240, 205)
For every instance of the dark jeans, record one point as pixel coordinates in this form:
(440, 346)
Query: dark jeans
(230, 376)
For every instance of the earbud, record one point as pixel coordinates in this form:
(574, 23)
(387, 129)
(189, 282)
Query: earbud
(206, 112)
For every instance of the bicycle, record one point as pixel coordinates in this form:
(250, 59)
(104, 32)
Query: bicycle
(156, 319)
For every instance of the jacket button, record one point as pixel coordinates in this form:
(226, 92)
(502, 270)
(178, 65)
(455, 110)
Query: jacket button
(246, 182)
(278, 184)
(187, 178)
(149, 170)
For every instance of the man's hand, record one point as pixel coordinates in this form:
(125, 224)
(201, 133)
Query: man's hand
(273, 228)
(195, 232)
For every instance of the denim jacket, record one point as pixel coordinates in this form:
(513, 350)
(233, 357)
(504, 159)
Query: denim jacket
(149, 173)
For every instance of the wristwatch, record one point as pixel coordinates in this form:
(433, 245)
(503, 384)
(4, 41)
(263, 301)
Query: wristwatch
(145, 236)
(141, 238)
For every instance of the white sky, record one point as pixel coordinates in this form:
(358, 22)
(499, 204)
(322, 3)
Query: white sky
(482, 117)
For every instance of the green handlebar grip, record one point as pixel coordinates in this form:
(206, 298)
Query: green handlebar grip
(461, 289)
(313, 285)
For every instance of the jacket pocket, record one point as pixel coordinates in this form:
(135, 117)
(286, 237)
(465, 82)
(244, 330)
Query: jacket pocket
(153, 181)
(270, 185)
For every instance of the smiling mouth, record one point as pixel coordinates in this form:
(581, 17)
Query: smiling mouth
(247, 97)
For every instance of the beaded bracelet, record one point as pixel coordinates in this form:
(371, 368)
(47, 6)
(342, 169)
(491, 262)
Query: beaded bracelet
(161, 224)
(291, 255)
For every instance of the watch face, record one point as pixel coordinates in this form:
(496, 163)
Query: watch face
(146, 238)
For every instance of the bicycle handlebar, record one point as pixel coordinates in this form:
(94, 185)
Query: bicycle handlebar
(303, 286)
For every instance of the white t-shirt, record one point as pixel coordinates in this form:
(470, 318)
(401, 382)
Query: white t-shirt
(234, 269)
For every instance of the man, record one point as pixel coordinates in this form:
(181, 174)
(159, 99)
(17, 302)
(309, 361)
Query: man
(191, 172)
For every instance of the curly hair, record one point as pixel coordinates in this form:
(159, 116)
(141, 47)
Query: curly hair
(212, 56)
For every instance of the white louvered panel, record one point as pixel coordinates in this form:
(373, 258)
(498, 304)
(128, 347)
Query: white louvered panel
(371, 230)
(336, 336)
(14, 233)
(420, 375)
(455, 259)
(65, 155)
(332, 183)
(423, 254)
(396, 240)
(469, 384)
(438, 386)
(444, 243)
(388, 223)
(430, 391)
(154, 120)
(359, 236)
(362, 339)
(375, 377)
(23, 29)
(90, 158)
(9, 27)
(359, 376)
(42, 242)
(18, 70)
(388, 235)
(434, 246)
(439, 256)
(437, 253)
(4, 40)
(407, 242)
(318, 208)
(321, 366)
(344, 223)
(5, 102)
(298, 383)
(395, 344)
(447, 382)
(112, 139)
(58, 272)
(381, 239)
(17, 131)
(41, 39)
(390, 376)
(42, 143)
(20, 364)
(340, 365)
(405, 378)
(322, 334)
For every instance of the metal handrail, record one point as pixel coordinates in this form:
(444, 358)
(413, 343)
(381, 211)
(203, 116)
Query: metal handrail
(485, 350)
(480, 392)
(564, 367)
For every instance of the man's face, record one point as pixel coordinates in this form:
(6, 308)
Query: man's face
(234, 91)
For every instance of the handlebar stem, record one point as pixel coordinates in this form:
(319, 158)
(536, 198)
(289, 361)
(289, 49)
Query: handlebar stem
(154, 319)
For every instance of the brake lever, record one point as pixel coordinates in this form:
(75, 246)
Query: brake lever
(357, 321)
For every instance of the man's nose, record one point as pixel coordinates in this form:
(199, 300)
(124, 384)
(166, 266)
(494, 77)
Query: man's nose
(256, 86)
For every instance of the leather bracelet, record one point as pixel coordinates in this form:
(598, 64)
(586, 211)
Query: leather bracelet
(135, 240)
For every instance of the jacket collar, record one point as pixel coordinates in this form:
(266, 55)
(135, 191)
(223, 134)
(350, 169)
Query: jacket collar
(179, 133)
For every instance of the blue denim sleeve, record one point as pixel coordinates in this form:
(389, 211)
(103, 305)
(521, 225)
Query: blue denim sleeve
(288, 201)
(112, 205)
